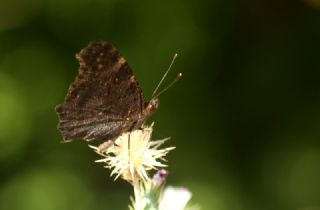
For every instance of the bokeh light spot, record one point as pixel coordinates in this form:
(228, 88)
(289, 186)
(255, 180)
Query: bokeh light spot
(14, 118)
(45, 189)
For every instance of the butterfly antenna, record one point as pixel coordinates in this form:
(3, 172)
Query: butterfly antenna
(165, 75)
(165, 89)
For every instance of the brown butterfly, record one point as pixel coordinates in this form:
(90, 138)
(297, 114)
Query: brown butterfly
(105, 100)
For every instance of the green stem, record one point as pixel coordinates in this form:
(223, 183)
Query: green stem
(136, 188)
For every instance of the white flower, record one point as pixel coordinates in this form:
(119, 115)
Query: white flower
(133, 154)
(151, 195)
(174, 198)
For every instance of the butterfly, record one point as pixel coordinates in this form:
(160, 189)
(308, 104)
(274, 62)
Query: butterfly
(105, 100)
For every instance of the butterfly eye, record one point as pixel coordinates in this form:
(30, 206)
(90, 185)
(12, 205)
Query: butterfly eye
(153, 104)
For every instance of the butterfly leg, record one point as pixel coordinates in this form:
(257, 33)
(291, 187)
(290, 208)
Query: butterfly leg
(104, 146)
(129, 141)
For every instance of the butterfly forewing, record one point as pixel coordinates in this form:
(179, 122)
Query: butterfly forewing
(104, 97)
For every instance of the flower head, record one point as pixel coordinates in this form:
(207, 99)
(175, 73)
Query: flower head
(159, 178)
(133, 154)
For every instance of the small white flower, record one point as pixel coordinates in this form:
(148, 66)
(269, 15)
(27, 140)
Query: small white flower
(152, 195)
(174, 198)
(133, 154)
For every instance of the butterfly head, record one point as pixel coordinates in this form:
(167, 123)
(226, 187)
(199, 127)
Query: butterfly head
(151, 106)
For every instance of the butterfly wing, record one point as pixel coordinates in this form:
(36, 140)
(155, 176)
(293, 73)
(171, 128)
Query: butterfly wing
(103, 98)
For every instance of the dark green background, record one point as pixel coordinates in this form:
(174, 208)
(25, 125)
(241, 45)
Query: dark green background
(245, 117)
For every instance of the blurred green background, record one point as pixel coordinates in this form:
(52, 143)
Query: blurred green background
(245, 117)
